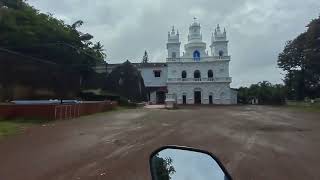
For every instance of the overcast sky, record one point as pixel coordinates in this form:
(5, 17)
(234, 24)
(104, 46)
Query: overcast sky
(257, 29)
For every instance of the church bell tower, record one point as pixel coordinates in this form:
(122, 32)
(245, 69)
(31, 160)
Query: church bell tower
(173, 44)
(219, 42)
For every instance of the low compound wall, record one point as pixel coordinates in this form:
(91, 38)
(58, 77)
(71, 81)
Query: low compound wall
(55, 111)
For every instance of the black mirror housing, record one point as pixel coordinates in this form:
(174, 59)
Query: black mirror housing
(177, 162)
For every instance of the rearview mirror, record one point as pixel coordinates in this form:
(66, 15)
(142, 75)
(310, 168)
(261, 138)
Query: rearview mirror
(182, 163)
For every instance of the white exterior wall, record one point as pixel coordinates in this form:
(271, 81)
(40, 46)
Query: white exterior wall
(147, 74)
(234, 97)
(199, 46)
(219, 68)
(173, 48)
(220, 46)
(221, 92)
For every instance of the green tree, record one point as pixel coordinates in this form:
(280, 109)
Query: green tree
(243, 95)
(99, 51)
(12, 3)
(25, 30)
(265, 92)
(300, 61)
(312, 54)
(163, 168)
(145, 58)
(126, 80)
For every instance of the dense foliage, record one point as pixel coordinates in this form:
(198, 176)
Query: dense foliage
(264, 92)
(300, 60)
(25, 29)
(163, 168)
(22, 78)
(50, 54)
(126, 81)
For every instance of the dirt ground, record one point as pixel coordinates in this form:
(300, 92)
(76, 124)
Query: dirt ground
(254, 142)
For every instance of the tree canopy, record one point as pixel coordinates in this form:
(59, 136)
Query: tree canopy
(25, 29)
(300, 60)
(265, 92)
(163, 168)
(38, 50)
(125, 80)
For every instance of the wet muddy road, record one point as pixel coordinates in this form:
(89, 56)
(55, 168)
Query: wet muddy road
(254, 142)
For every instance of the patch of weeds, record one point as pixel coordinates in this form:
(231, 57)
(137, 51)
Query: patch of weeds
(8, 128)
(310, 108)
(14, 126)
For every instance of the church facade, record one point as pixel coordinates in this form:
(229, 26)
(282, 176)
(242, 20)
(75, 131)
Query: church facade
(194, 76)
(197, 76)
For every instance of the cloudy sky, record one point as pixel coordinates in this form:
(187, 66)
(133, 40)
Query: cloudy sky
(257, 29)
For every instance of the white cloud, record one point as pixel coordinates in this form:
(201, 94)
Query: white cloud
(257, 30)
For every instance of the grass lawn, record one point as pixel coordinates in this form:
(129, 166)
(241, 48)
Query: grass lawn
(309, 108)
(15, 126)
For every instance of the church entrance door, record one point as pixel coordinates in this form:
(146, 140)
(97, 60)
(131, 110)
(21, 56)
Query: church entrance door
(184, 99)
(161, 97)
(197, 97)
(210, 99)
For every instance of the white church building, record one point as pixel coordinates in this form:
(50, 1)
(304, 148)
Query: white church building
(194, 76)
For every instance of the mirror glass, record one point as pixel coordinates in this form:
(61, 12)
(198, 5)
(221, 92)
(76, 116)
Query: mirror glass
(177, 164)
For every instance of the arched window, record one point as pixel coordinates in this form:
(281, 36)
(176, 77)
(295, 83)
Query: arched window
(221, 53)
(210, 74)
(197, 74)
(184, 74)
(174, 54)
(196, 55)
